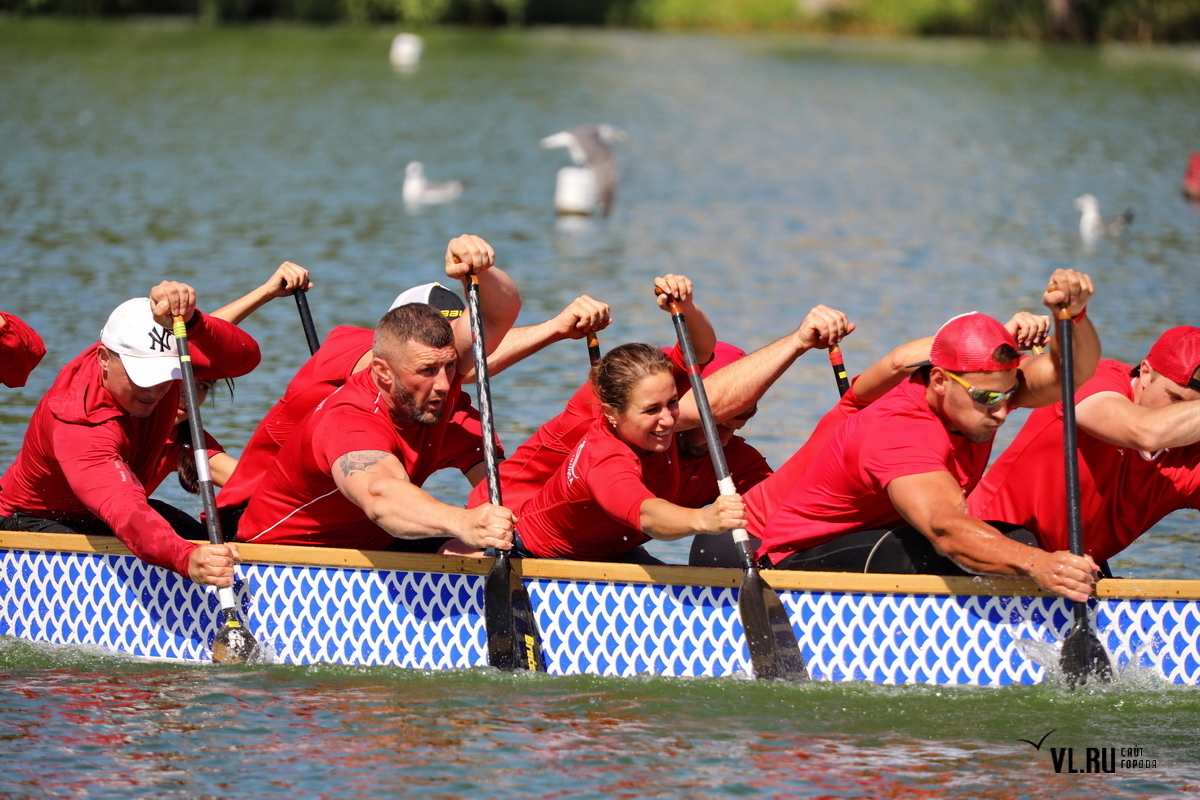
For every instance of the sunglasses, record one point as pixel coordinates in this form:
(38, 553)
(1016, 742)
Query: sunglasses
(985, 397)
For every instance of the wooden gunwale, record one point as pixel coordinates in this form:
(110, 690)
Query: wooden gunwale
(1138, 588)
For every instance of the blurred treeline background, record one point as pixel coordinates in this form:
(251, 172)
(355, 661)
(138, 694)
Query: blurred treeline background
(1056, 20)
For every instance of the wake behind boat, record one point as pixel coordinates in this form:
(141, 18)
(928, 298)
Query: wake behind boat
(311, 605)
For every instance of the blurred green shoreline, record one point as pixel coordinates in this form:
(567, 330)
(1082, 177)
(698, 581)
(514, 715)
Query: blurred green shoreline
(1031, 20)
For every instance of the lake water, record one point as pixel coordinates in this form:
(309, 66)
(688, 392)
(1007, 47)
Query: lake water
(902, 182)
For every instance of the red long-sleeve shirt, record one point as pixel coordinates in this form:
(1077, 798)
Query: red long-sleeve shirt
(20, 351)
(86, 459)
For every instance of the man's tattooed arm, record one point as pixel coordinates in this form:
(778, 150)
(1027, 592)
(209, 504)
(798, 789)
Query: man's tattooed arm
(360, 461)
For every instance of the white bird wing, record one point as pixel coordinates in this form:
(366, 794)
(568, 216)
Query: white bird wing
(599, 156)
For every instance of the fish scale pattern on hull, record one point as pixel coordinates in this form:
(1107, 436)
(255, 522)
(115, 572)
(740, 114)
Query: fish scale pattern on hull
(430, 620)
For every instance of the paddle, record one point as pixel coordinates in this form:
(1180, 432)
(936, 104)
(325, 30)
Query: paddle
(774, 651)
(1083, 657)
(839, 369)
(310, 331)
(512, 635)
(233, 643)
(593, 349)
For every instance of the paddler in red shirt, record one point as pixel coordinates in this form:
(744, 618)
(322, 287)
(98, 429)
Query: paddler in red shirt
(888, 491)
(347, 351)
(95, 443)
(1138, 447)
(875, 381)
(616, 491)
(733, 381)
(351, 474)
(21, 349)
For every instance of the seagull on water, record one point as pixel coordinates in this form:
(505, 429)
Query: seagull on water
(406, 51)
(588, 146)
(418, 191)
(1092, 226)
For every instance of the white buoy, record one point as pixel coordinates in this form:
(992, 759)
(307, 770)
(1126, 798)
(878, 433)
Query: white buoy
(575, 191)
(589, 148)
(406, 51)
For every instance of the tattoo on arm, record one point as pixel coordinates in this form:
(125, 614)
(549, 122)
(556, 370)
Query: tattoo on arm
(360, 460)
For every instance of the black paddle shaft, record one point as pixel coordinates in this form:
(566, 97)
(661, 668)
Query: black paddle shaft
(1082, 656)
(191, 398)
(483, 389)
(306, 320)
(709, 425)
(232, 643)
(1070, 437)
(513, 639)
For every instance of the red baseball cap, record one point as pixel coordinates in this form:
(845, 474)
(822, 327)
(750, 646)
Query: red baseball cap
(967, 343)
(1176, 355)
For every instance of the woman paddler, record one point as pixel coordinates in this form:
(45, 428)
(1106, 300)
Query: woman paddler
(614, 493)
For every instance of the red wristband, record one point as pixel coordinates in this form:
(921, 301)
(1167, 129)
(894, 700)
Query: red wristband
(1082, 313)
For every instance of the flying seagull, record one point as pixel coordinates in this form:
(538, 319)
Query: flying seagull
(418, 191)
(1092, 226)
(588, 146)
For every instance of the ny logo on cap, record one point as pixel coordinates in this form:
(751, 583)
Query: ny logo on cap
(159, 339)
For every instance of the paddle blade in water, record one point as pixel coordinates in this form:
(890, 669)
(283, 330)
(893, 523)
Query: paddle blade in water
(1083, 658)
(774, 651)
(233, 644)
(498, 614)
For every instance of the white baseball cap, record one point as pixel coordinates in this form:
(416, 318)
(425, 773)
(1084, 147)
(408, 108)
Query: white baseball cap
(433, 294)
(147, 349)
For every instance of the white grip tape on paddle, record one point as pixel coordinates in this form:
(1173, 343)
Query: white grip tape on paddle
(203, 473)
(725, 486)
(225, 595)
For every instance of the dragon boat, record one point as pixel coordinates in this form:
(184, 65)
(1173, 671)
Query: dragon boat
(320, 605)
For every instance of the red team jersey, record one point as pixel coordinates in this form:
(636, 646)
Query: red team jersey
(844, 489)
(297, 501)
(1123, 492)
(85, 459)
(533, 463)
(764, 497)
(590, 509)
(320, 377)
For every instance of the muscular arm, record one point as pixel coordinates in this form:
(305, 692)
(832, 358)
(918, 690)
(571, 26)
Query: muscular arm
(1041, 376)
(933, 503)
(584, 315)
(499, 299)
(663, 520)
(1115, 419)
(376, 481)
(736, 387)
(282, 282)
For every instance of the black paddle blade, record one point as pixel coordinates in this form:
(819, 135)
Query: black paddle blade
(526, 641)
(512, 634)
(498, 615)
(774, 651)
(233, 644)
(1083, 658)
